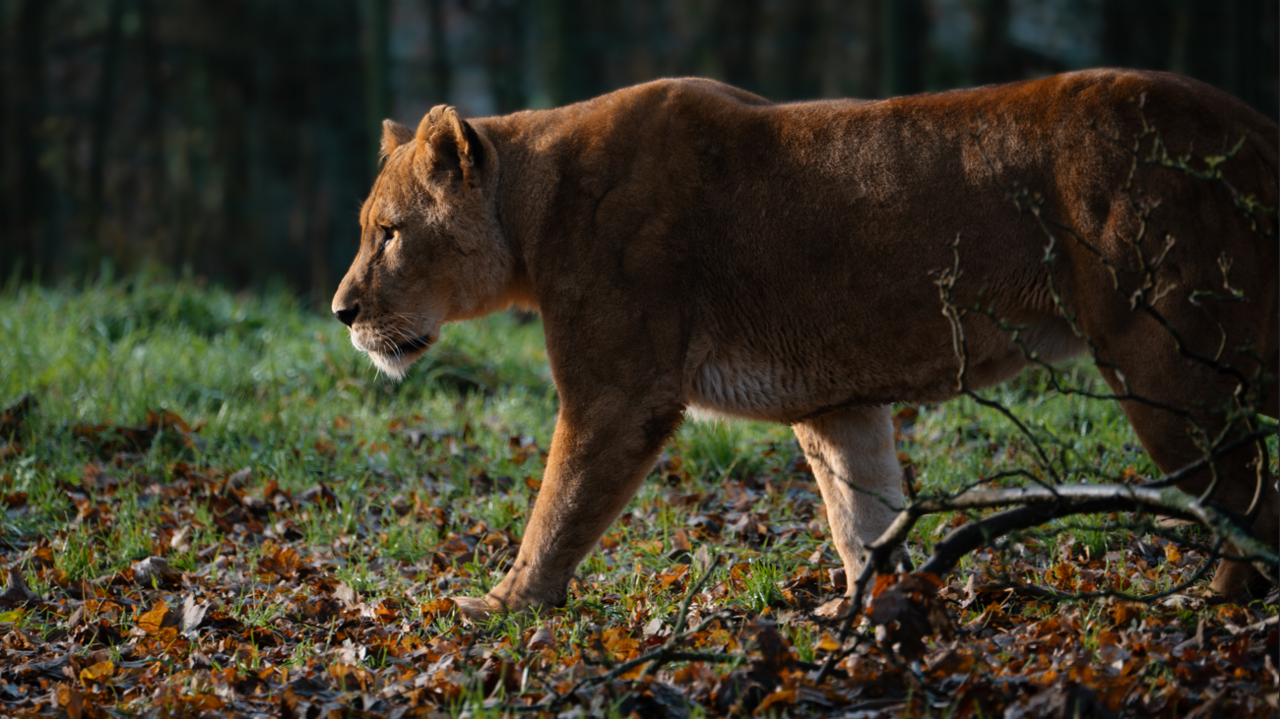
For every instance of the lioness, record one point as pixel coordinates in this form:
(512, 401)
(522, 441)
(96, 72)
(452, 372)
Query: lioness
(692, 246)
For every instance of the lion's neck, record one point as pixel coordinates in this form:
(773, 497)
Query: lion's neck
(526, 181)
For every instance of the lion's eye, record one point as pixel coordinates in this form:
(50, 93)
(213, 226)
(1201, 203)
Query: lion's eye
(388, 235)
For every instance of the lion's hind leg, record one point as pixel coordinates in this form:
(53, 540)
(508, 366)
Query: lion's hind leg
(1179, 407)
(853, 457)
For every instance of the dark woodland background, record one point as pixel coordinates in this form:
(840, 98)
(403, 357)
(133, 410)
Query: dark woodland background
(235, 139)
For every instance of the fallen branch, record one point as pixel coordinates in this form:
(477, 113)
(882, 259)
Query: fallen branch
(1269, 623)
(971, 536)
(1065, 500)
(1036, 506)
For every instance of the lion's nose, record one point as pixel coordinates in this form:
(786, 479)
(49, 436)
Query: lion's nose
(348, 315)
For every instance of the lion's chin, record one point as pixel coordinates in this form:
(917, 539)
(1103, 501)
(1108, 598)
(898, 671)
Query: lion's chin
(396, 364)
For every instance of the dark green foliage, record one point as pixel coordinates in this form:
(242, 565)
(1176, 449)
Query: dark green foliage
(236, 139)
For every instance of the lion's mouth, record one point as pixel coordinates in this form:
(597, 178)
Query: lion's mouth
(391, 357)
(413, 344)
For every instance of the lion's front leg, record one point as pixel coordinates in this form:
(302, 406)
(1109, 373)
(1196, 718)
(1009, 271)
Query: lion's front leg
(852, 456)
(599, 456)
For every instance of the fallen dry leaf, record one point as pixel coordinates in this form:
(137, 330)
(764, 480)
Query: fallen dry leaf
(832, 609)
(193, 614)
(155, 619)
(619, 642)
(543, 638)
(18, 593)
(155, 570)
(100, 672)
(827, 643)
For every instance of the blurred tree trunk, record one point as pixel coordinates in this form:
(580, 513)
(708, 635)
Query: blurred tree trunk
(1138, 34)
(153, 223)
(866, 74)
(377, 49)
(29, 196)
(344, 148)
(736, 26)
(1242, 61)
(993, 62)
(1180, 19)
(233, 246)
(802, 50)
(504, 25)
(8, 181)
(94, 240)
(837, 46)
(441, 70)
(578, 61)
(304, 231)
(1234, 51)
(903, 35)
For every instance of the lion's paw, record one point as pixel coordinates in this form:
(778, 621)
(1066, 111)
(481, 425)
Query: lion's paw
(475, 609)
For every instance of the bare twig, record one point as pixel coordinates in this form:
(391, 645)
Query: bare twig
(651, 660)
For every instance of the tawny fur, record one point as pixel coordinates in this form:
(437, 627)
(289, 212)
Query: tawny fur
(691, 245)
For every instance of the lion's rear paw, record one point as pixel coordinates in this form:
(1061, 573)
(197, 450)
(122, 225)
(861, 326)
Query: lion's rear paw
(1239, 581)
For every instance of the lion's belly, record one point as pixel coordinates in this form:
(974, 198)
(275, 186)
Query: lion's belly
(752, 384)
(755, 390)
(763, 390)
(742, 382)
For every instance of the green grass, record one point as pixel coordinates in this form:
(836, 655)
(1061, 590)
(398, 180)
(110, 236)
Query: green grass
(267, 385)
(266, 382)
(262, 377)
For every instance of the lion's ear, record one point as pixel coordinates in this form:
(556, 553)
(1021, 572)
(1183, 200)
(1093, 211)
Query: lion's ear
(451, 143)
(394, 135)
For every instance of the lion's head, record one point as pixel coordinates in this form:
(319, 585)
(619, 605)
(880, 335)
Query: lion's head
(431, 249)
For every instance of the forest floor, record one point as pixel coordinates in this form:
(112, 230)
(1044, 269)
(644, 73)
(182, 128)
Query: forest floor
(215, 506)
